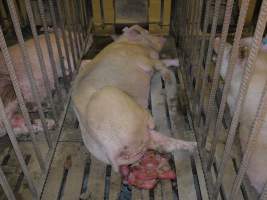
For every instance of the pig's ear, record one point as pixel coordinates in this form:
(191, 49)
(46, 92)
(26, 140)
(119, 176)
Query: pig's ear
(243, 52)
(216, 44)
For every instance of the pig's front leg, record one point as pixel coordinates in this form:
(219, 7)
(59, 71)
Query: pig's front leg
(162, 143)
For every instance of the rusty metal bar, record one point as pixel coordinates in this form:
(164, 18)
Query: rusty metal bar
(216, 76)
(28, 67)
(49, 47)
(204, 133)
(40, 56)
(261, 24)
(57, 37)
(6, 187)
(264, 193)
(228, 78)
(11, 70)
(64, 38)
(257, 124)
(15, 145)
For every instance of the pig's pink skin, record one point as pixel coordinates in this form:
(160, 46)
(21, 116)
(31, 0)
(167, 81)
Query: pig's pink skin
(110, 97)
(256, 172)
(11, 104)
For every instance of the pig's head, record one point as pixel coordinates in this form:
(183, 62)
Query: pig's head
(139, 35)
(242, 55)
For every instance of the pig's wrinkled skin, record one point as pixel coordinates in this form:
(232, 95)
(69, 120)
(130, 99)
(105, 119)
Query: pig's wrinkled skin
(6, 89)
(257, 172)
(110, 97)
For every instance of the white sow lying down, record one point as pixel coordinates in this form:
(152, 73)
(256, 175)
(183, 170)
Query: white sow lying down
(110, 97)
(257, 172)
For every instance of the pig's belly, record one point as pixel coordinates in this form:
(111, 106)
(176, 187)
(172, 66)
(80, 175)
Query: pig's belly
(132, 80)
(256, 171)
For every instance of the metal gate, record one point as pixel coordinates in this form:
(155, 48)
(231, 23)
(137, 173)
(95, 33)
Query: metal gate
(207, 94)
(65, 44)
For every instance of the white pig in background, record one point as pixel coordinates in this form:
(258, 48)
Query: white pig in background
(6, 89)
(256, 172)
(110, 98)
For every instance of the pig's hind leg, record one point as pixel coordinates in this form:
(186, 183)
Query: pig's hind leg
(162, 143)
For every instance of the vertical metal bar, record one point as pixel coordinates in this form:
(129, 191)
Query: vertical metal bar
(40, 56)
(66, 47)
(86, 15)
(74, 31)
(78, 28)
(6, 187)
(261, 24)
(201, 57)
(196, 31)
(215, 82)
(228, 77)
(23, 108)
(69, 29)
(49, 47)
(204, 131)
(57, 37)
(264, 193)
(262, 108)
(28, 67)
(80, 15)
(18, 153)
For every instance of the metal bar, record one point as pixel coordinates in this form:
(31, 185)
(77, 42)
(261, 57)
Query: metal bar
(70, 38)
(56, 139)
(74, 31)
(20, 99)
(18, 153)
(78, 29)
(264, 193)
(261, 24)
(57, 37)
(82, 23)
(40, 56)
(6, 187)
(260, 115)
(216, 76)
(64, 38)
(228, 78)
(86, 16)
(196, 32)
(204, 133)
(200, 61)
(28, 67)
(49, 47)
(252, 142)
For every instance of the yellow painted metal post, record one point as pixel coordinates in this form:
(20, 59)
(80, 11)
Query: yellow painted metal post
(103, 24)
(159, 22)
